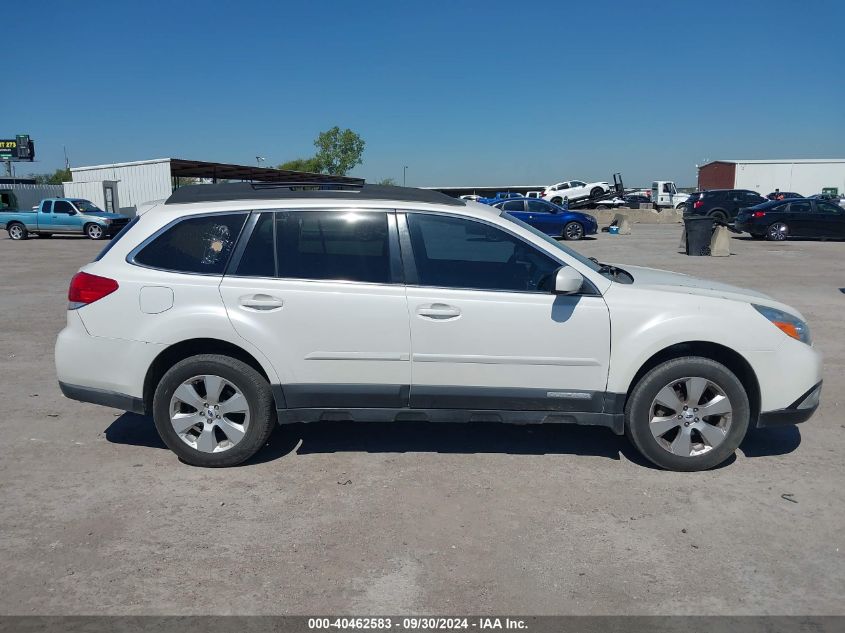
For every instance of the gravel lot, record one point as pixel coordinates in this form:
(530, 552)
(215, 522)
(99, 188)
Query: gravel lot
(98, 517)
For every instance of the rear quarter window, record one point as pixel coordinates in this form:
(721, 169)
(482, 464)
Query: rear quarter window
(198, 245)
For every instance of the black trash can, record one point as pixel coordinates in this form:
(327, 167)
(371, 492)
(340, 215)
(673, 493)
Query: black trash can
(699, 232)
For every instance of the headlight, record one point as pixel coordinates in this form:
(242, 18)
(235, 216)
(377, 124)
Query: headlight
(788, 324)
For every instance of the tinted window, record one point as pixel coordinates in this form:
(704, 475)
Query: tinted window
(48, 207)
(800, 207)
(117, 237)
(194, 245)
(62, 206)
(461, 253)
(826, 207)
(535, 206)
(578, 183)
(513, 205)
(350, 246)
(259, 259)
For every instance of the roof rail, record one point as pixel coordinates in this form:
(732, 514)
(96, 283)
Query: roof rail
(352, 188)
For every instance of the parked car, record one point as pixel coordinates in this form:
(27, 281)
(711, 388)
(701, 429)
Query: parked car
(783, 195)
(550, 218)
(62, 215)
(797, 217)
(575, 190)
(721, 204)
(533, 194)
(229, 308)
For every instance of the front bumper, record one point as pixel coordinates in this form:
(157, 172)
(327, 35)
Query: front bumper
(799, 411)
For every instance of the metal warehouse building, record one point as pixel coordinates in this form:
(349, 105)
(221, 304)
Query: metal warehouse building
(126, 186)
(804, 176)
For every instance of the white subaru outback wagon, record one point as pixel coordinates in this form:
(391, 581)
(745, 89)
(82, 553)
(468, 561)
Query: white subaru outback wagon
(230, 308)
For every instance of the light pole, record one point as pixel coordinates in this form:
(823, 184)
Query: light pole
(404, 172)
(259, 160)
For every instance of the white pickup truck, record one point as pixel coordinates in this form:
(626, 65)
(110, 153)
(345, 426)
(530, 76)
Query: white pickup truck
(664, 195)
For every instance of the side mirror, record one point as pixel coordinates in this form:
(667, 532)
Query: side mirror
(567, 281)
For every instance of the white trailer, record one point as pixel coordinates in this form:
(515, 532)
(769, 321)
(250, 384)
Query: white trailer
(806, 177)
(103, 193)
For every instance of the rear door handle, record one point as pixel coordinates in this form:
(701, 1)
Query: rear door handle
(438, 311)
(261, 303)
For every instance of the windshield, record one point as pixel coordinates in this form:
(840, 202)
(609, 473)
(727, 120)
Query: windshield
(86, 206)
(584, 260)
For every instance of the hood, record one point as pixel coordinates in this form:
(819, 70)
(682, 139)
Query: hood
(679, 282)
(105, 215)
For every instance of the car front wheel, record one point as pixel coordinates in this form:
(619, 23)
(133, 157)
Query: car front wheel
(687, 414)
(213, 410)
(94, 231)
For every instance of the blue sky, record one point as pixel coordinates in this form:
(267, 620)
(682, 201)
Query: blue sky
(461, 92)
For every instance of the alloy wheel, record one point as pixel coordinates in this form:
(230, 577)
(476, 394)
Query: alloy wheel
(209, 413)
(15, 232)
(778, 232)
(95, 232)
(573, 231)
(690, 416)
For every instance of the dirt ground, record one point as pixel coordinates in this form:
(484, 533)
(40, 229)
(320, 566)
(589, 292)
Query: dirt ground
(96, 516)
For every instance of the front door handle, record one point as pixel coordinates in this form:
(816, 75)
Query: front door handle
(261, 303)
(438, 311)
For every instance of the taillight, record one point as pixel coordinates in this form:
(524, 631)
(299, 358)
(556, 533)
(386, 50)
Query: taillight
(86, 288)
(758, 214)
(697, 204)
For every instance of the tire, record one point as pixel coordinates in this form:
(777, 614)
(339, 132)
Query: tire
(557, 200)
(595, 192)
(94, 231)
(218, 438)
(602, 207)
(710, 442)
(17, 231)
(777, 232)
(681, 206)
(719, 216)
(573, 231)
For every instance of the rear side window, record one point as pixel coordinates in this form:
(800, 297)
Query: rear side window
(351, 246)
(513, 205)
(194, 245)
(259, 257)
(62, 206)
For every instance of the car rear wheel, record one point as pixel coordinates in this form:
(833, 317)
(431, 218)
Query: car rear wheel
(681, 206)
(777, 232)
(687, 414)
(595, 192)
(602, 207)
(213, 410)
(94, 231)
(719, 216)
(557, 200)
(17, 231)
(573, 231)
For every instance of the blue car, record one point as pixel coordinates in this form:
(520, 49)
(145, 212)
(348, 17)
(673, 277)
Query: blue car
(550, 218)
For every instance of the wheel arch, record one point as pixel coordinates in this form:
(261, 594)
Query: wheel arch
(171, 355)
(728, 357)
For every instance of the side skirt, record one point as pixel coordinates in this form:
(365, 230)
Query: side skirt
(613, 421)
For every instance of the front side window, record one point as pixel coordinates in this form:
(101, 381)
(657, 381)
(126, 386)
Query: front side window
(535, 206)
(828, 208)
(194, 245)
(578, 183)
(347, 246)
(454, 252)
(63, 206)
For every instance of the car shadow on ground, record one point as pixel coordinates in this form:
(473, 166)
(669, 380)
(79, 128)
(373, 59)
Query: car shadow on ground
(428, 437)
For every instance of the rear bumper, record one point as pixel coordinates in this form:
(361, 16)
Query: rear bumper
(103, 397)
(799, 411)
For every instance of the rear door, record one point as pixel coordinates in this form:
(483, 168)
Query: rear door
(802, 220)
(486, 331)
(321, 293)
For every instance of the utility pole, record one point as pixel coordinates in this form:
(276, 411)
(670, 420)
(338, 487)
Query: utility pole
(67, 162)
(404, 172)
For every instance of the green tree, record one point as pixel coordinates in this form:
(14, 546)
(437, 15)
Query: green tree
(387, 181)
(338, 151)
(302, 164)
(56, 178)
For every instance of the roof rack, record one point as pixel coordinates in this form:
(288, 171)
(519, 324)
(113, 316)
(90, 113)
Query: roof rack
(341, 188)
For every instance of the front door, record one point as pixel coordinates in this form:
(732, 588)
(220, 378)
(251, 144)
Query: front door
(320, 293)
(830, 219)
(64, 218)
(486, 331)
